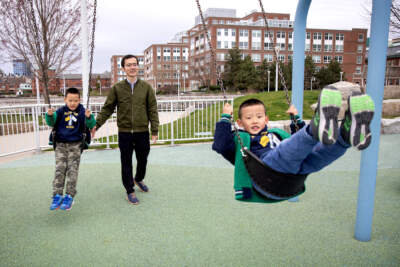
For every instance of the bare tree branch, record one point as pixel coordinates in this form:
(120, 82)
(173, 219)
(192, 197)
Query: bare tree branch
(58, 24)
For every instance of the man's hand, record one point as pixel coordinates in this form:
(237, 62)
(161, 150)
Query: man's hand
(228, 109)
(88, 113)
(93, 131)
(154, 138)
(50, 111)
(292, 110)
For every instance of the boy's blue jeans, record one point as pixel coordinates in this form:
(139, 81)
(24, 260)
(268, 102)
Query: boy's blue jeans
(302, 154)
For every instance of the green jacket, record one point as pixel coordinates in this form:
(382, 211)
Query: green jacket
(135, 108)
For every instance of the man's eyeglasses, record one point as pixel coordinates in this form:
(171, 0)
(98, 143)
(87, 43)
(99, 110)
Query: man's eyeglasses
(131, 65)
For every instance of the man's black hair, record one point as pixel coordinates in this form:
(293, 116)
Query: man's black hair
(128, 57)
(250, 102)
(72, 90)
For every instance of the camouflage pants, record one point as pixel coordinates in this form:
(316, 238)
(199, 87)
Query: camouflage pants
(68, 157)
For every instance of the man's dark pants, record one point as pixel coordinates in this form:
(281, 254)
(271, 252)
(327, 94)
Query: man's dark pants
(128, 142)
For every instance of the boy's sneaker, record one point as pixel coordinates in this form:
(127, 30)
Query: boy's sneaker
(324, 124)
(355, 128)
(55, 204)
(67, 202)
(132, 199)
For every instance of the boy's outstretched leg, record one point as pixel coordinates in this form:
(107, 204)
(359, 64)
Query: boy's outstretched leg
(324, 124)
(355, 128)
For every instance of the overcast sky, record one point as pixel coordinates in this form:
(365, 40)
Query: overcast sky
(127, 26)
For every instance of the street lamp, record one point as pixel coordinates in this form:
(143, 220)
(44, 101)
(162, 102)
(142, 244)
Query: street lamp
(312, 79)
(276, 69)
(184, 83)
(341, 75)
(269, 72)
(178, 83)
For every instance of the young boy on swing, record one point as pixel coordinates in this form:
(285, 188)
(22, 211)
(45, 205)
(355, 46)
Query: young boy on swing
(313, 146)
(68, 122)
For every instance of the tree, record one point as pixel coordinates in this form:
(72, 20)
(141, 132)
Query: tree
(329, 74)
(247, 75)
(42, 32)
(394, 27)
(232, 67)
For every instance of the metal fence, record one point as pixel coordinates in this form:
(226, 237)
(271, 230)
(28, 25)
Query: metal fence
(23, 128)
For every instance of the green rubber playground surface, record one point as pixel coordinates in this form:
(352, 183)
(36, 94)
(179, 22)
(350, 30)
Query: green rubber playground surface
(190, 217)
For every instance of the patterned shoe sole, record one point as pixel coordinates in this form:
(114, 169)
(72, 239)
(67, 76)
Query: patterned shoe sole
(329, 106)
(362, 111)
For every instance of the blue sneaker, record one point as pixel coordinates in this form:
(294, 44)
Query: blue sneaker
(67, 202)
(132, 199)
(57, 199)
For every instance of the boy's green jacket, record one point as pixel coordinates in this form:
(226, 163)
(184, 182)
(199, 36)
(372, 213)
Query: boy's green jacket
(135, 108)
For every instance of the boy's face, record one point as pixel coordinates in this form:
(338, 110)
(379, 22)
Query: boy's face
(72, 101)
(253, 119)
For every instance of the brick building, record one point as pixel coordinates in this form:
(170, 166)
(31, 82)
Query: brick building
(118, 74)
(59, 82)
(249, 34)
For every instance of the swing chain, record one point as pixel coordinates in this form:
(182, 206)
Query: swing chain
(92, 48)
(283, 82)
(219, 79)
(37, 44)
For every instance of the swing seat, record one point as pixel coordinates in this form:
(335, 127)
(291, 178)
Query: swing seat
(283, 185)
(252, 174)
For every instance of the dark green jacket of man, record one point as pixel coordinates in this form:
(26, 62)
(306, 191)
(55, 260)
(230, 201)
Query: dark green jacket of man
(135, 108)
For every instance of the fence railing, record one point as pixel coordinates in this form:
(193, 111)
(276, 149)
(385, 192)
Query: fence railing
(23, 128)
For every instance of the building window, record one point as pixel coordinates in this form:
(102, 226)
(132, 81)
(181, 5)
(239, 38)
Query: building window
(226, 32)
(290, 35)
(256, 33)
(359, 59)
(282, 46)
(268, 46)
(233, 32)
(316, 59)
(339, 37)
(328, 36)
(219, 32)
(281, 58)
(233, 44)
(167, 50)
(307, 47)
(269, 35)
(339, 59)
(308, 36)
(290, 57)
(317, 36)
(269, 57)
(339, 48)
(226, 44)
(243, 32)
(317, 47)
(256, 57)
(219, 44)
(328, 48)
(243, 45)
(327, 59)
(360, 37)
(359, 48)
(280, 34)
(290, 47)
(358, 70)
(256, 45)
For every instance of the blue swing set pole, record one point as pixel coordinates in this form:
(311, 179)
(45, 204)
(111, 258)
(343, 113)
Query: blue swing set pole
(298, 54)
(375, 83)
(298, 58)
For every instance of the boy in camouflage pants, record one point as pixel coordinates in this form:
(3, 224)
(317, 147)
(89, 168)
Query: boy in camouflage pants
(69, 124)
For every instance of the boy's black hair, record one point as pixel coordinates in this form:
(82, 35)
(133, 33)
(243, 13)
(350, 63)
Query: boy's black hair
(72, 90)
(128, 57)
(251, 102)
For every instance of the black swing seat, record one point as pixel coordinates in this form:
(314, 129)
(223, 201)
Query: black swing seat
(284, 185)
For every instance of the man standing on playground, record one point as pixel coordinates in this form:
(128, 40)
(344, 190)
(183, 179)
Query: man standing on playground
(136, 107)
